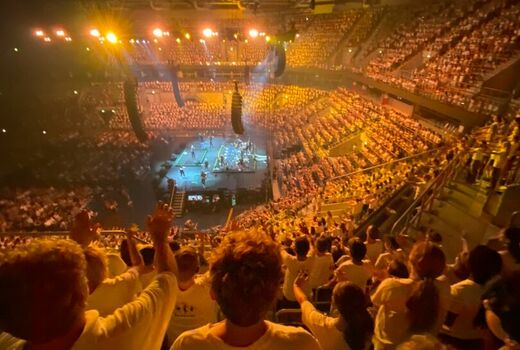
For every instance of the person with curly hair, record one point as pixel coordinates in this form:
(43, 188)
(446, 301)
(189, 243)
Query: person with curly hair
(245, 274)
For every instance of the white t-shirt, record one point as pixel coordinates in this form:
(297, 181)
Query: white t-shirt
(293, 268)
(465, 302)
(373, 250)
(391, 323)
(193, 309)
(115, 292)
(322, 269)
(277, 337)
(116, 265)
(138, 325)
(357, 274)
(323, 328)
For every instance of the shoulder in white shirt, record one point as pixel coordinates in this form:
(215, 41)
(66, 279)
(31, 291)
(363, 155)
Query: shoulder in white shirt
(138, 325)
(323, 328)
(277, 337)
(115, 292)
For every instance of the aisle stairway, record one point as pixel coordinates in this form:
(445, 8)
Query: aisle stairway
(178, 203)
(459, 209)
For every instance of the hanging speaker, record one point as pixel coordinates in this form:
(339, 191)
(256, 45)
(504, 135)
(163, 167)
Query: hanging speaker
(280, 60)
(175, 86)
(130, 88)
(236, 111)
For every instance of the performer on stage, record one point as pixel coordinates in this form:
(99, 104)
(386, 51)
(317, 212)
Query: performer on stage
(192, 152)
(181, 171)
(203, 177)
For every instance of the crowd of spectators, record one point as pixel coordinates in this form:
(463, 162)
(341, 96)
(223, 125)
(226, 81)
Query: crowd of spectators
(349, 292)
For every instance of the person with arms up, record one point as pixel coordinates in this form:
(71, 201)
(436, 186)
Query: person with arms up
(43, 293)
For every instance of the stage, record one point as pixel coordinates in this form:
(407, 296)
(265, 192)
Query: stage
(227, 163)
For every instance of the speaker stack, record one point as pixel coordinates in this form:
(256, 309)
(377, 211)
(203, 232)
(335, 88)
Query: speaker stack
(236, 111)
(130, 88)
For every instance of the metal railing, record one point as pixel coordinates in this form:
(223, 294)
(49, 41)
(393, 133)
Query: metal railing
(383, 164)
(425, 199)
(63, 234)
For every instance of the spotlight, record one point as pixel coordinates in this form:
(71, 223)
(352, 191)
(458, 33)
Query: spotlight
(207, 32)
(111, 37)
(158, 32)
(47, 39)
(39, 33)
(95, 33)
(15, 49)
(60, 32)
(69, 39)
(202, 41)
(88, 49)
(75, 92)
(132, 41)
(253, 33)
(178, 40)
(187, 36)
(267, 38)
(4, 131)
(44, 132)
(155, 41)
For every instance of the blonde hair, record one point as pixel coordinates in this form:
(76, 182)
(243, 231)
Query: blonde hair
(97, 266)
(422, 342)
(246, 271)
(43, 289)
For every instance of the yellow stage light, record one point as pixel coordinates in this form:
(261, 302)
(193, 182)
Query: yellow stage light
(39, 33)
(267, 38)
(60, 32)
(95, 33)
(111, 37)
(207, 32)
(253, 33)
(158, 32)
(187, 36)
(178, 40)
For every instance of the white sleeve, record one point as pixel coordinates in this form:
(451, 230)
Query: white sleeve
(152, 301)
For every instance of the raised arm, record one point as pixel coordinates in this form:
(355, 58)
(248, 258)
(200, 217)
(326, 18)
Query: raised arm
(159, 225)
(297, 287)
(84, 230)
(135, 257)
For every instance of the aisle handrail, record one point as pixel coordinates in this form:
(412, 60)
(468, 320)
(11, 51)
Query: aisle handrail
(424, 200)
(383, 164)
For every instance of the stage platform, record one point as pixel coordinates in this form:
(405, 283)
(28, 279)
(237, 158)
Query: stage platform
(244, 166)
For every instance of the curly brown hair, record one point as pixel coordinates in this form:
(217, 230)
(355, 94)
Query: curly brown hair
(246, 271)
(43, 289)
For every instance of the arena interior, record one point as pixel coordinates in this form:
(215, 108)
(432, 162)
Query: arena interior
(260, 174)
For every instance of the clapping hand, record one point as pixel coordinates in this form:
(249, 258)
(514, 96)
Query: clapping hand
(159, 222)
(302, 278)
(83, 230)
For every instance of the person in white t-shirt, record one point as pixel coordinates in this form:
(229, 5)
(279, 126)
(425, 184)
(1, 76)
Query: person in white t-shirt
(460, 329)
(43, 292)
(351, 330)
(357, 270)
(108, 294)
(373, 244)
(323, 265)
(194, 307)
(245, 275)
(414, 305)
(294, 265)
